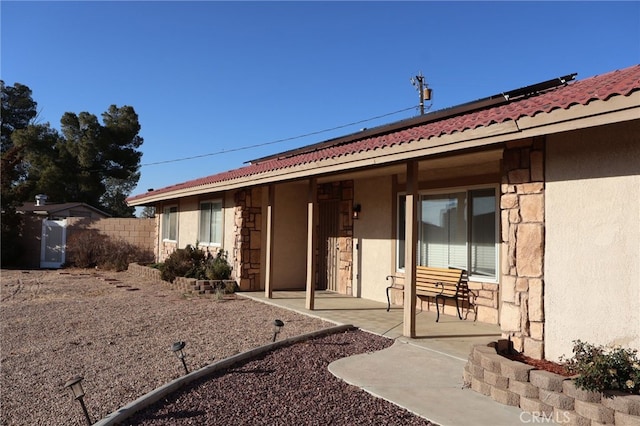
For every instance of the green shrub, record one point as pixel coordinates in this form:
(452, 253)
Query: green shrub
(217, 267)
(188, 262)
(601, 368)
(90, 249)
(193, 262)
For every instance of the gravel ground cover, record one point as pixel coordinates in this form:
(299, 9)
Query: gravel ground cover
(288, 386)
(115, 329)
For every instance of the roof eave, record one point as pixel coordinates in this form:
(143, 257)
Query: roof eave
(598, 112)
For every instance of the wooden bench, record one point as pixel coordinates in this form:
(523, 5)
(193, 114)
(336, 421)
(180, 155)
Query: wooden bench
(438, 283)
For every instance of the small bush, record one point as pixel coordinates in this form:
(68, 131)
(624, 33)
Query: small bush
(188, 262)
(90, 249)
(601, 368)
(217, 267)
(193, 262)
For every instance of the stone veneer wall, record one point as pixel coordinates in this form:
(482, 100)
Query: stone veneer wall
(484, 301)
(482, 305)
(248, 238)
(522, 259)
(166, 248)
(545, 395)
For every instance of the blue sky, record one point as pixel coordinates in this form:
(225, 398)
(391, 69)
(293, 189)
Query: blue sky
(233, 81)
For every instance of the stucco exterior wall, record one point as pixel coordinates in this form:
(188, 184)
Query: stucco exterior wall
(373, 242)
(189, 223)
(592, 261)
(290, 237)
(229, 224)
(188, 218)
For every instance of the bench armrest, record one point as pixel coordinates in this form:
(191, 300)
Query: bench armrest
(442, 284)
(393, 282)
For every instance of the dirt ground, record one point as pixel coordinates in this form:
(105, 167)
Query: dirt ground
(115, 329)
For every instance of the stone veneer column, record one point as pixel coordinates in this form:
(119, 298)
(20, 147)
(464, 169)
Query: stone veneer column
(247, 244)
(522, 260)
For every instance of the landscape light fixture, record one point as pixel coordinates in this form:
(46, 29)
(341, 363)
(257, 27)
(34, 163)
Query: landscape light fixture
(277, 325)
(356, 211)
(177, 348)
(75, 385)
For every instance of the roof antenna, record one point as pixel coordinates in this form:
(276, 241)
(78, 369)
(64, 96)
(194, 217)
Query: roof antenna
(423, 89)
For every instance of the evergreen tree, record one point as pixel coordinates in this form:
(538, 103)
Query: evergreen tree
(85, 161)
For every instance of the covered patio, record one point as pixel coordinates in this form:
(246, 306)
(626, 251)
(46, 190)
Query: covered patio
(450, 335)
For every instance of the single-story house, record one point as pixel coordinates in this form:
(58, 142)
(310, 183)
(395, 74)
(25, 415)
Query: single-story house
(534, 192)
(59, 211)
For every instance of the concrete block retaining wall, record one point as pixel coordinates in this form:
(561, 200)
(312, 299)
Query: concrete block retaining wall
(185, 285)
(545, 395)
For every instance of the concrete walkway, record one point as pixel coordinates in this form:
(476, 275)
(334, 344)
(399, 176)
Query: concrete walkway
(423, 374)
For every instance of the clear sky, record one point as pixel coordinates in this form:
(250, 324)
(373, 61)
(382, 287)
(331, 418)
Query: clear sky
(229, 82)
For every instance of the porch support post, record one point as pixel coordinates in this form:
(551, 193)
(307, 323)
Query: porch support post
(268, 290)
(411, 259)
(312, 220)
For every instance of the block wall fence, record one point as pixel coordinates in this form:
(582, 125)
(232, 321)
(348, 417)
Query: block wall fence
(136, 231)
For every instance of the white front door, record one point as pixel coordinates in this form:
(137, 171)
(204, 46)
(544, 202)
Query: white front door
(54, 239)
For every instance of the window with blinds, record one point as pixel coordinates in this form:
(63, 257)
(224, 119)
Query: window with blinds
(211, 223)
(456, 230)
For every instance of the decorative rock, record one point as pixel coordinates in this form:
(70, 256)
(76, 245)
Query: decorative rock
(510, 317)
(529, 249)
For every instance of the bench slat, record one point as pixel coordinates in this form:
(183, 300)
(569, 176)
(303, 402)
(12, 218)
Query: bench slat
(439, 283)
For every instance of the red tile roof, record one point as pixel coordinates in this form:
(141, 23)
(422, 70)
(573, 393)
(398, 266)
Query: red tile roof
(616, 83)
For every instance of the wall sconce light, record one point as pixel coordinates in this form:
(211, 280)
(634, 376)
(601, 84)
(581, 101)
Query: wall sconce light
(277, 325)
(75, 385)
(356, 211)
(177, 348)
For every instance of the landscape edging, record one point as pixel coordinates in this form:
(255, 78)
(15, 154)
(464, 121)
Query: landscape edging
(155, 395)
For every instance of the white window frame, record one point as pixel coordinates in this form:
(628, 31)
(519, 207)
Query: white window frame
(467, 190)
(202, 241)
(166, 225)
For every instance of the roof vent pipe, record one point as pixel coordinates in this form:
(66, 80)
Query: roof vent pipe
(41, 199)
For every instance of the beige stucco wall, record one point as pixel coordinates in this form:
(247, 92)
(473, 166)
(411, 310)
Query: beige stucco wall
(228, 206)
(373, 243)
(189, 222)
(289, 259)
(592, 249)
(188, 219)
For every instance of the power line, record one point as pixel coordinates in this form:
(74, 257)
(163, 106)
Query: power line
(226, 151)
